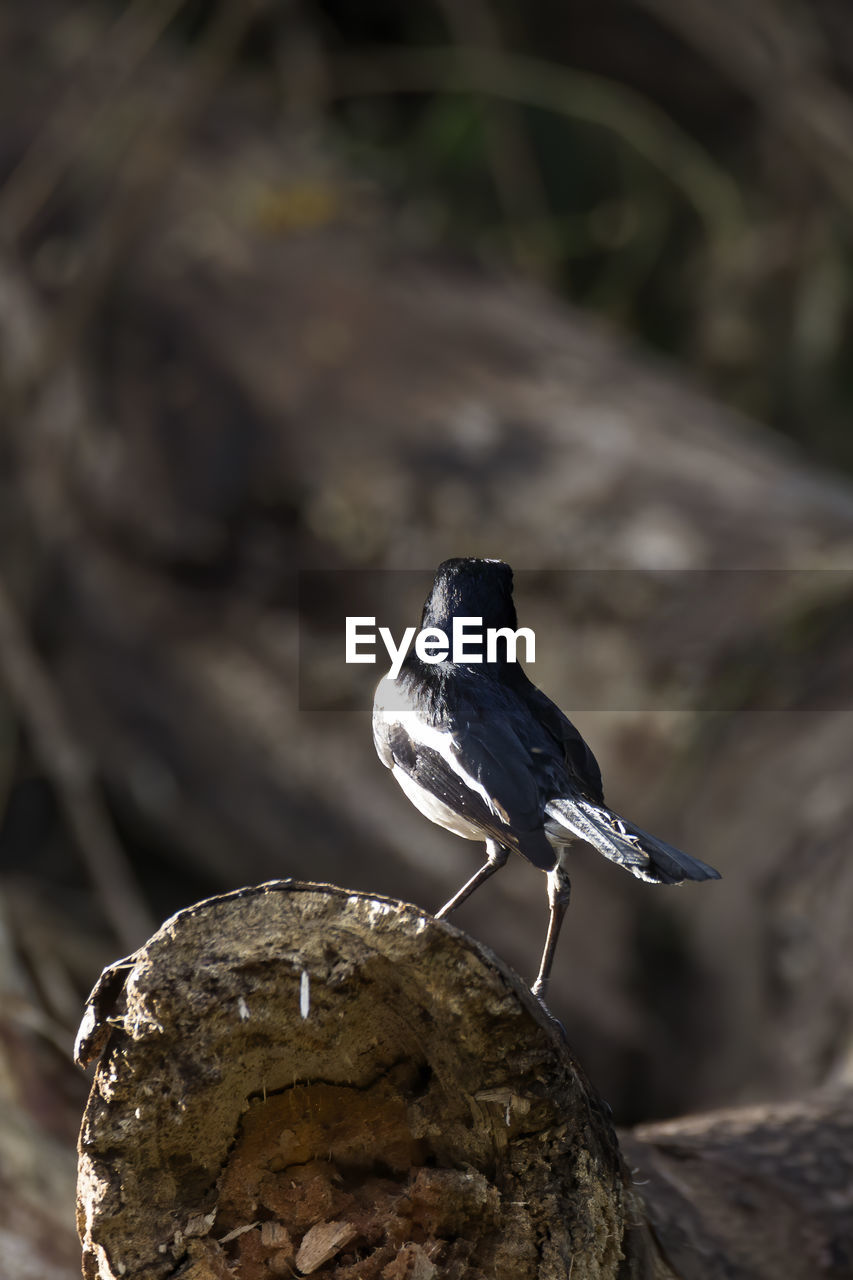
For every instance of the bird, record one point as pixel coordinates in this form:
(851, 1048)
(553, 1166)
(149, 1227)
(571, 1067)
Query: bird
(484, 753)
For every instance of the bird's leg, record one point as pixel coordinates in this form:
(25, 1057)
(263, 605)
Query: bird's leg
(496, 856)
(559, 892)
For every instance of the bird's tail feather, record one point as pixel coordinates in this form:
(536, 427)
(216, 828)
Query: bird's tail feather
(622, 842)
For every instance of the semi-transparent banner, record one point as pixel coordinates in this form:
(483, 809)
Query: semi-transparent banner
(600, 640)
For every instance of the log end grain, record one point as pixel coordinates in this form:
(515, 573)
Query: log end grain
(298, 1080)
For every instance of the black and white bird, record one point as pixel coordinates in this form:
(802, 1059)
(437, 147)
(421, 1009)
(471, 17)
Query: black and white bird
(481, 751)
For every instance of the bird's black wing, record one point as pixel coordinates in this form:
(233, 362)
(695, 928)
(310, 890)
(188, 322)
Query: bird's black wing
(477, 764)
(581, 764)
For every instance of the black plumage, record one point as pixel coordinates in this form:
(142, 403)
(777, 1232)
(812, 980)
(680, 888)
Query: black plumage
(483, 752)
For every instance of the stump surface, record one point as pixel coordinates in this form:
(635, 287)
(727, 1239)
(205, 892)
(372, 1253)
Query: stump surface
(302, 1080)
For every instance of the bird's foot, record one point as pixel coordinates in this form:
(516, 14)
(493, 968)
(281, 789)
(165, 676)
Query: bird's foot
(550, 1016)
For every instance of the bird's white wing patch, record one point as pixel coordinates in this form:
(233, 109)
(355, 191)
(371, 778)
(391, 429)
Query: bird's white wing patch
(441, 742)
(436, 810)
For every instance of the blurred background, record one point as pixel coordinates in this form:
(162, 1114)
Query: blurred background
(299, 286)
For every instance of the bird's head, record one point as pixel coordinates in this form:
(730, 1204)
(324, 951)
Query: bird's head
(471, 588)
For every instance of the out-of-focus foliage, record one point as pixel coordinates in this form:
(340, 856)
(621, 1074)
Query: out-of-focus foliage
(684, 170)
(698, 198)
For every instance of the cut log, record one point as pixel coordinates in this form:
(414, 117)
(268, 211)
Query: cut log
(295, 1079)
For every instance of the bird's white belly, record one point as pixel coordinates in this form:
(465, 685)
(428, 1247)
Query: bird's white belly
(434, 809)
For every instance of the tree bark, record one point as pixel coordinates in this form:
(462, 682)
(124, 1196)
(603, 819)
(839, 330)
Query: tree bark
(300, 1080)
(752, 1193)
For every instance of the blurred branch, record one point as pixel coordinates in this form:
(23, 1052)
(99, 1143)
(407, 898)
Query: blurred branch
(514, 166)
(774, 52)
(150, 152)
(574, 94)
(73, 775)
(69, 129)
(150, 157)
